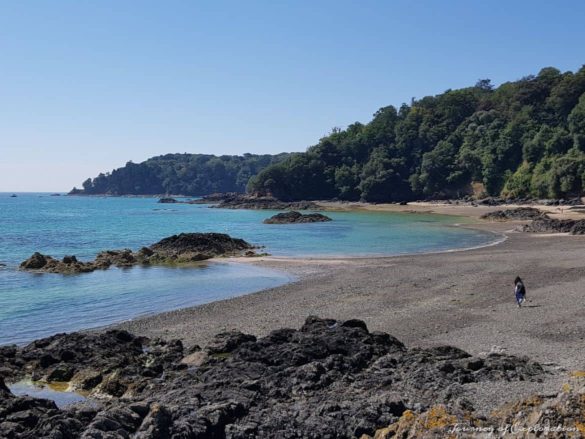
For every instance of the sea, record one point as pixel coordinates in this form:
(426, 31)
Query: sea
(34, 305)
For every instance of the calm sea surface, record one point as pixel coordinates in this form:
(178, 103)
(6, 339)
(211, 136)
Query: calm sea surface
(37, 305)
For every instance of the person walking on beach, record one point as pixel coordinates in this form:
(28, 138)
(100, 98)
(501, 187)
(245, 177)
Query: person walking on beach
(519, 291)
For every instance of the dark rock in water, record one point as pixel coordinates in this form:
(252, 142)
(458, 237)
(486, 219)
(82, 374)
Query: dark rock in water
(35, 262)
(47, 264)
(553, 225)
(69, 259)
(119, 258)
(296, 218)
(328, 379)
(520, 213)
(198, 246)
(243, 201)
(183, 248)
(167, 200)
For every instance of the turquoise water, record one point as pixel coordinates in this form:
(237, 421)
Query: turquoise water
(36, 305)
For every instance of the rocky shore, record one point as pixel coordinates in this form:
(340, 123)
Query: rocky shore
(336, 378)
(516, 214)
(295, 217)
(177, 249)
(327, 379)
(497, 201)
(244, 201)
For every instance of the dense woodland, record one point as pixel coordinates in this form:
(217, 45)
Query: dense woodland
(184, 174)
(522, 139)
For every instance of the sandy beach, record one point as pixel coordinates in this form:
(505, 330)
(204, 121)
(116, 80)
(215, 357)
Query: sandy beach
(461, 298)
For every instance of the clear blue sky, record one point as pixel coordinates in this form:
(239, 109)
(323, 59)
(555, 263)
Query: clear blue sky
(87, 85)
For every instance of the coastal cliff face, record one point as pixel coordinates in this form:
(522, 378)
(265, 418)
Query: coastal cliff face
(176, 249)
(327, 379)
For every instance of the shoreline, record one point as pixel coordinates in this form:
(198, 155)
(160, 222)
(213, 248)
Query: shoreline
(459, 297)
(323, 270)
(300, 265)
(462, 297)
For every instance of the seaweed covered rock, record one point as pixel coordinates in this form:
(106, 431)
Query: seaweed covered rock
(295, 217)
(520, 213)
(119, 258)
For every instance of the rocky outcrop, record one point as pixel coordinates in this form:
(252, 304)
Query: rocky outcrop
(327, 379)
(520, 213)
(234, 200)
(47, 264)
(553, 225)
(183, 248)
(167, 200)
(197, 246)
(113, 363)
(295, 217)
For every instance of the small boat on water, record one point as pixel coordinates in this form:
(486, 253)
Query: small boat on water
(13, 196)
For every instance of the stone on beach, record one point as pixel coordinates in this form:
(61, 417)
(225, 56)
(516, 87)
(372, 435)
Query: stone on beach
(553, 225)
(520, 213)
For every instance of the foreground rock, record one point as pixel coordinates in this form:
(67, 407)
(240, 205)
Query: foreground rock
(329, 379)
(295, 217)
(557, 416)
(183, 248)
(550, 225)
(520, 213)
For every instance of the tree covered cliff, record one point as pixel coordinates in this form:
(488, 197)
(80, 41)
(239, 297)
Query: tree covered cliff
(185, 174)
(522, 139)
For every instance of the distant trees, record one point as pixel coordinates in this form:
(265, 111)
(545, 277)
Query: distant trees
(187, 174)
(522, 139)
